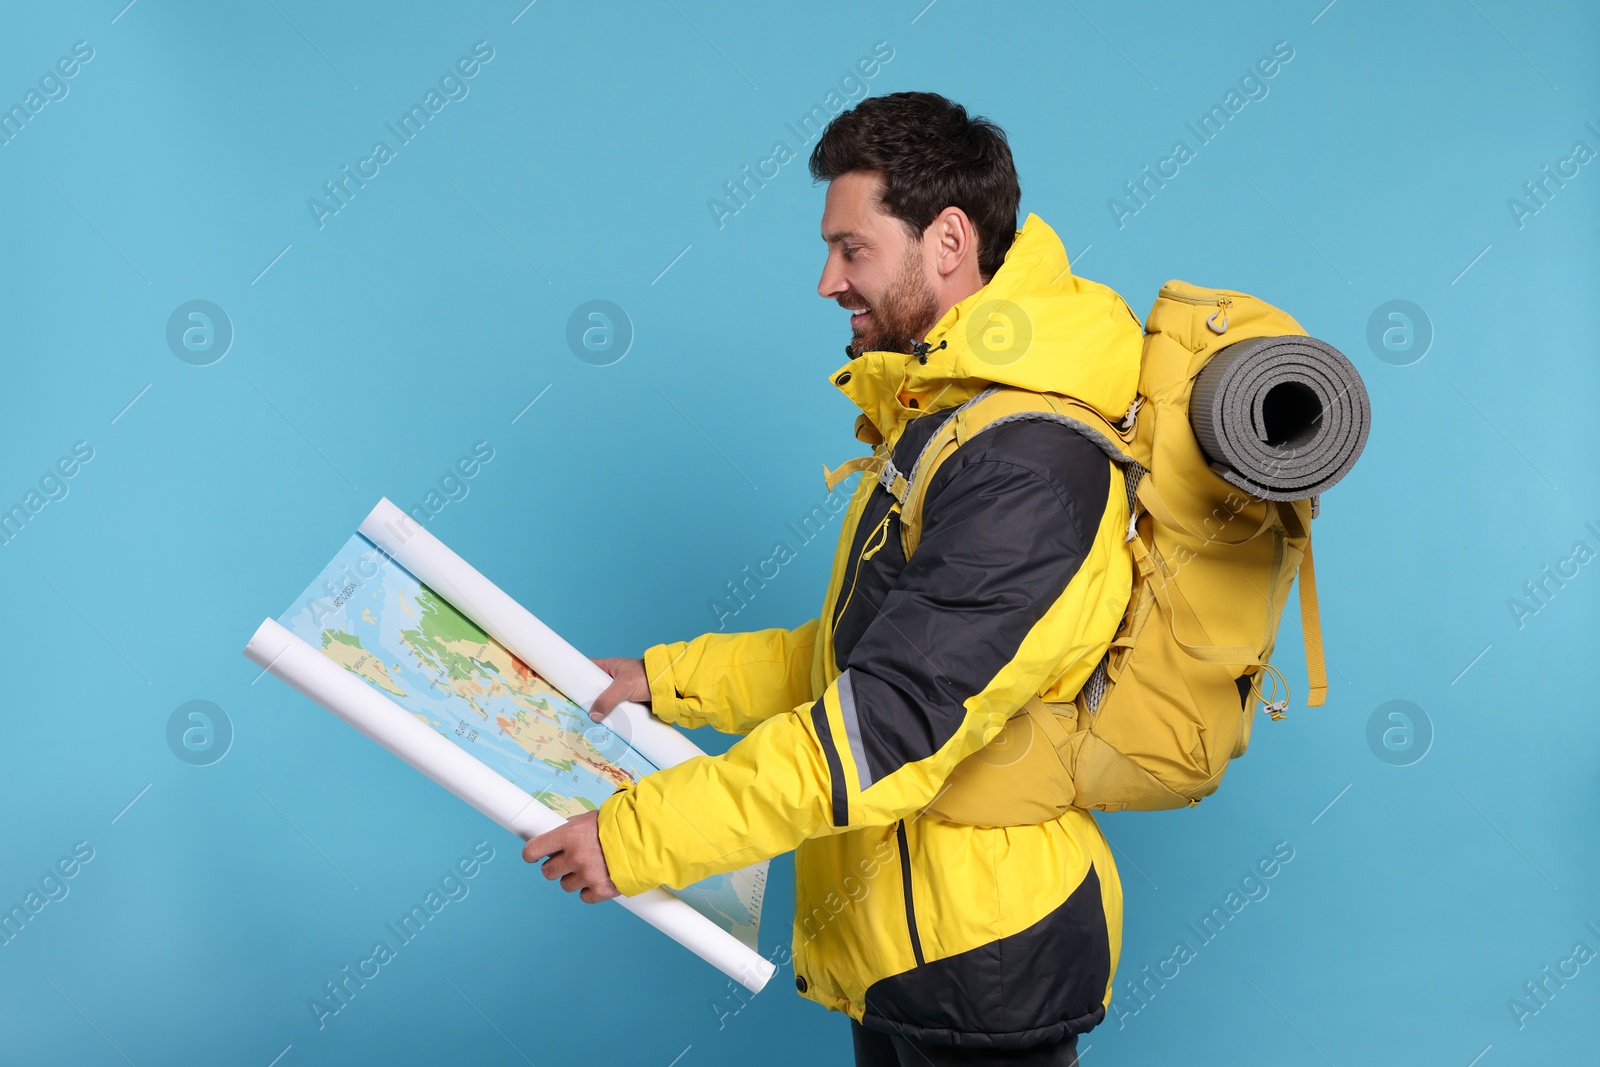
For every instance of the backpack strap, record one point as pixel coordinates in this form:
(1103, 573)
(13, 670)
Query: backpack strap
(1188, 633)
(1150, 496)
(992, 407)
(1310, 617)
(850, 466)
(1311, 626)
(1187, 630)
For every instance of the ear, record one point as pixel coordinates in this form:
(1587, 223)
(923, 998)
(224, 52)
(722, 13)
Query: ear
(954, 241)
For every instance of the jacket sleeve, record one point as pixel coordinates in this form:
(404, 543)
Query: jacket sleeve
(731, 681)
(1016, 577)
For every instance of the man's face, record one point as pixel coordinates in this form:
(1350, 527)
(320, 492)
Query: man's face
(875, 268)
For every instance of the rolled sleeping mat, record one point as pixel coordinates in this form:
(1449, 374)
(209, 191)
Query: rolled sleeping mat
(1283, 418)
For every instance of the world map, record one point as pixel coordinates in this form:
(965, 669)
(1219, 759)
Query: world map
(374, 618)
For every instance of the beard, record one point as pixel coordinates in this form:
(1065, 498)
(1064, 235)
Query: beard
(901, 316)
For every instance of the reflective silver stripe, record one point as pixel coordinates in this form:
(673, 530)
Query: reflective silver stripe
(852, 728)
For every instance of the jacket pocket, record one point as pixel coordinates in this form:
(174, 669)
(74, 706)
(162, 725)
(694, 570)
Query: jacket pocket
(905, 885)
(869, 547)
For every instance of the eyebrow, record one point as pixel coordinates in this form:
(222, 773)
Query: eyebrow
(841, 235)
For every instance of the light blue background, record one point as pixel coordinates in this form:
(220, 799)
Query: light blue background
(430, 311)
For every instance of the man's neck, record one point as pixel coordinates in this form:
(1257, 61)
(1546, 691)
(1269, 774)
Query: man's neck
(956, 292)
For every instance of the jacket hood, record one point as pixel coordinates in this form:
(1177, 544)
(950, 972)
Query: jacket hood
(1035, 326)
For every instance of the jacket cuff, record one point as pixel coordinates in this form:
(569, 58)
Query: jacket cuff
(616, 813)
(666, 703)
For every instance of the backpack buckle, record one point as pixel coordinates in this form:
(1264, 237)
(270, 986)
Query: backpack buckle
(892, 480)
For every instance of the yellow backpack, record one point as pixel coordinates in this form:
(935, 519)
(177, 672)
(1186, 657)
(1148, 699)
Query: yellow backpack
(1173, 700)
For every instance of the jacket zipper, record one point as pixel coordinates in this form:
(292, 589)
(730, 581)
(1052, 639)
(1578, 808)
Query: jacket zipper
(1222, 302)
(905, 884)
(1173, 294)
(868, 550)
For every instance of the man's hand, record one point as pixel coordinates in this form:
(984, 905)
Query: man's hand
(575, 858)
(627, 683)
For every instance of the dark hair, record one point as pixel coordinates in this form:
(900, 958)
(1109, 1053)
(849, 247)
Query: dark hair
(932, 155)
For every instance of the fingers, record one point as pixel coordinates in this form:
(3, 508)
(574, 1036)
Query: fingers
(613, 694)
(545, 844)
(627, 683)
(572, 854)
(610, 697)
(594, 883)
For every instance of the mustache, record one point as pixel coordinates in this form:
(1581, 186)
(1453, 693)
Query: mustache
(853, 307)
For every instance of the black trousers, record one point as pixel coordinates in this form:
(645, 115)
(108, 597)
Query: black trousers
(875, 1049)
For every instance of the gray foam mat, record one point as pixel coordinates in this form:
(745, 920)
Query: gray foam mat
(1283, 418)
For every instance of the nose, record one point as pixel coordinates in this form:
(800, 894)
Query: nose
(832, 283)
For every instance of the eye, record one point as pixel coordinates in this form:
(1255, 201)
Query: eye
(849, 252)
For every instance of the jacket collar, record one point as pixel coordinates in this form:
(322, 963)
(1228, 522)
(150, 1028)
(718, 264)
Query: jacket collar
(1035, 326)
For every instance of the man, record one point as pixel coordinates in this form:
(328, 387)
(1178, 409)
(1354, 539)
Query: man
(944, 943)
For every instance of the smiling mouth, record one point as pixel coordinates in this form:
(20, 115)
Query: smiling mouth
(858, 318)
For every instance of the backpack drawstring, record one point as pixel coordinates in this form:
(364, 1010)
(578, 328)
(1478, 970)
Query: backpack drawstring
(1274, 708)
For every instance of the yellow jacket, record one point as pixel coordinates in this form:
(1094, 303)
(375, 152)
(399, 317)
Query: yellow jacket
(947, 934)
